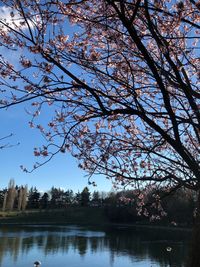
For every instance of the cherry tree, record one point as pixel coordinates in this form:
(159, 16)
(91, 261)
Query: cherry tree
(120, 80)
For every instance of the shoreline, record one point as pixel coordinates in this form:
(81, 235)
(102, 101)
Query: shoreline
(78, 217)
(114, 225)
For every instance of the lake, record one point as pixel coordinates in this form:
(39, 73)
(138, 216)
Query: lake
(74, 246)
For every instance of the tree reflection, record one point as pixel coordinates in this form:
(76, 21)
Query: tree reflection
(80, 244)
(136, 244)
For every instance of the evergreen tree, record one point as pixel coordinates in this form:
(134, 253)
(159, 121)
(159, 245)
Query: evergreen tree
(57, 198)
(85, 197)
(78, 198)
(69, 197)
(33, 198)
(2, 193)
(96, 200)
(44, 201)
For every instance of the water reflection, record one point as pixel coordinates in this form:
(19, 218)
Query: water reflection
(59, 246)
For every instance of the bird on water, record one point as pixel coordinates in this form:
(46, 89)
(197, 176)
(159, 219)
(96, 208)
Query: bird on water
(37, 264)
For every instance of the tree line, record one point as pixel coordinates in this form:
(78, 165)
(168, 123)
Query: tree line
(125, 206)
(19, 198)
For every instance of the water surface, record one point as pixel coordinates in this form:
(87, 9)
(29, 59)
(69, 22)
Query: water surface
(73, 246)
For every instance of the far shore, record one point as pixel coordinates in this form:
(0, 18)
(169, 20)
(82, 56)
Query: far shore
(76, 216)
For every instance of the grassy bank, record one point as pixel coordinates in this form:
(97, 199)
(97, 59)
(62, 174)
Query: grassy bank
(89, 216)
(70, 215)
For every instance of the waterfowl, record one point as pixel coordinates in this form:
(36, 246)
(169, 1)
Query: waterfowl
(37, 263)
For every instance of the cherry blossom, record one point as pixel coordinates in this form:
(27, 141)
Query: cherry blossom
(121, 79)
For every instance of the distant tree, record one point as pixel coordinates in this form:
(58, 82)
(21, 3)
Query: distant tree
(96, 200)
(24, 198)
(103, 196)
(2, 193)
(12, 194)
(119, 207)
(77, 199)
(33, 198)
(4, 201)
(111, 198)
(69, 197)
(14, 197)
(85, 197)
(58, 198)
(44, 201)
(20, 198)
(180, 207)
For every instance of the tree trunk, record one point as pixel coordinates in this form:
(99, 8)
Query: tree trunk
(4, 201)
(194, 246)
(19, 205)
(24, 198)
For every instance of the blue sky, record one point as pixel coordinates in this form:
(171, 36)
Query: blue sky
(62, 171)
